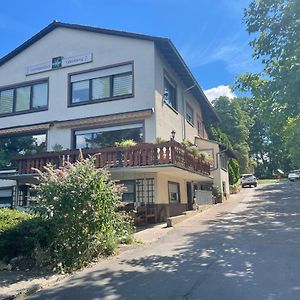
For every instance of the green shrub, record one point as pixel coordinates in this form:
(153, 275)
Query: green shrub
(11, 217)
(81, 203)
(125, 143)
(20, 233)
(234, 171)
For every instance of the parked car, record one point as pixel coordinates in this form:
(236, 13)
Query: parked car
(248, 180)
(294, 175)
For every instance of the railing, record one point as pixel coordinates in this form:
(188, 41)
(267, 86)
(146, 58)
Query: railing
(171, 153)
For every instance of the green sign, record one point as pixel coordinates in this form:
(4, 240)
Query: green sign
(56, 62)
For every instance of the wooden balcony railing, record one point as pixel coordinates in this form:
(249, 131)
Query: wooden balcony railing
(171, 153)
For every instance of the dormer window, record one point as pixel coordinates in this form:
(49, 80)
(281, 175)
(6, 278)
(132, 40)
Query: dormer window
(170, 93)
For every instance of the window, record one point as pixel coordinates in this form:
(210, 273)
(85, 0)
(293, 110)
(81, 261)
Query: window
(129, 193)
(6, 101)
(20, 145)
(170, 93)
(174, 192)
(107, 136)
(201, 127)
(5, 197)
(24, 98)
(80, 91)
(100, 88)
(39, 95)
(102, 84)
(189, 114)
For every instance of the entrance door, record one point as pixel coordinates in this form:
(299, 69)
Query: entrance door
(189, 196)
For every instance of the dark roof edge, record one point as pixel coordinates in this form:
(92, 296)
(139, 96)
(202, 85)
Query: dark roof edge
(194, 79)
(56, 24)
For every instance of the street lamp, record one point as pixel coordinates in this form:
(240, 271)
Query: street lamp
(173, 135)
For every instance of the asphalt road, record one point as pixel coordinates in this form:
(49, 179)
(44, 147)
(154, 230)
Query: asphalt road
(246, 248)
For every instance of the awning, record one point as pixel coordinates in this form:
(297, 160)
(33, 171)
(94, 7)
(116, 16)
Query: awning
(24, 129)
(107, 119)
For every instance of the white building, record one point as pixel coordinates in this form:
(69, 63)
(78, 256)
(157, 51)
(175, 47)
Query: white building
(73, 86)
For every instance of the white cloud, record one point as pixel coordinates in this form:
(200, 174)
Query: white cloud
(221, 90)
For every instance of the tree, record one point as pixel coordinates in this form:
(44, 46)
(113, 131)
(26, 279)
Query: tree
(233, 130)
(276, 89)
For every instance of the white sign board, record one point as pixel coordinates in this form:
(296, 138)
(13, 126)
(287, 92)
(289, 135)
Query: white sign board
(59, 62)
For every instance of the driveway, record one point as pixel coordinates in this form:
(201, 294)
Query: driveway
(245, 248)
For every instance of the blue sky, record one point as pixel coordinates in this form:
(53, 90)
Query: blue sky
(209, 34)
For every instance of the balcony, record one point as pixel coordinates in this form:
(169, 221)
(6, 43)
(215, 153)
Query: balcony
(142, 155)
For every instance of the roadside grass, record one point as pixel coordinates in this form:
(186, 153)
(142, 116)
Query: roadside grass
(271, 180)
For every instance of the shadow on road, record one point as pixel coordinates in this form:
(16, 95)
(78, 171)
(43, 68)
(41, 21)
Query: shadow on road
(251, 253)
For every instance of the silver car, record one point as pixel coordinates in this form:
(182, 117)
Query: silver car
(248, 180)
(294, 175)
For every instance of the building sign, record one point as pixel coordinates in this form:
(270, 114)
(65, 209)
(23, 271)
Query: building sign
(59, 62)
(56, 62)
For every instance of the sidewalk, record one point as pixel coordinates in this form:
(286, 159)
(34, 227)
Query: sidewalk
(17, 284)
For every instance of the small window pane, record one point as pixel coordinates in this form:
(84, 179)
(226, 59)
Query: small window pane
(23, 98)
(101, 88)
(6, 101)
(80, 91)
(189, 114)
(122, 84)
(170, 93)
(174, 195)
(129, 193)
(40, 94)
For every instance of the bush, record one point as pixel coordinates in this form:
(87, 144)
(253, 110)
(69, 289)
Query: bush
(81, 203)
(234, 171)
(125, 143)
(11, 217)
(20, 232)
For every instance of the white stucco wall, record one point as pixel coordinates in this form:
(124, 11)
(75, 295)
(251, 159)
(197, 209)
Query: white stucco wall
(166, 118)
(107, 50)
(220, 175)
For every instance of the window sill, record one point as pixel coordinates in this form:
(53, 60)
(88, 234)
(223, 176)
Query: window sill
(171, 107)
(23, 112)
(190, 123)
(101, 100)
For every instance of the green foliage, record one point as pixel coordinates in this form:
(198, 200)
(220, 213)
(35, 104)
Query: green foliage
(292, 139)
(275, 102)
(159, 140)
(234, 171)
(81, 203)
(125, 143)
(20, 232)
(11, 217)
(233, 130)
(57, 147)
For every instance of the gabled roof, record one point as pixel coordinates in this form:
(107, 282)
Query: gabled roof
(164, 45)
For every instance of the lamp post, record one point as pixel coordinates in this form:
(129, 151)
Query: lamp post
(173, 135)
